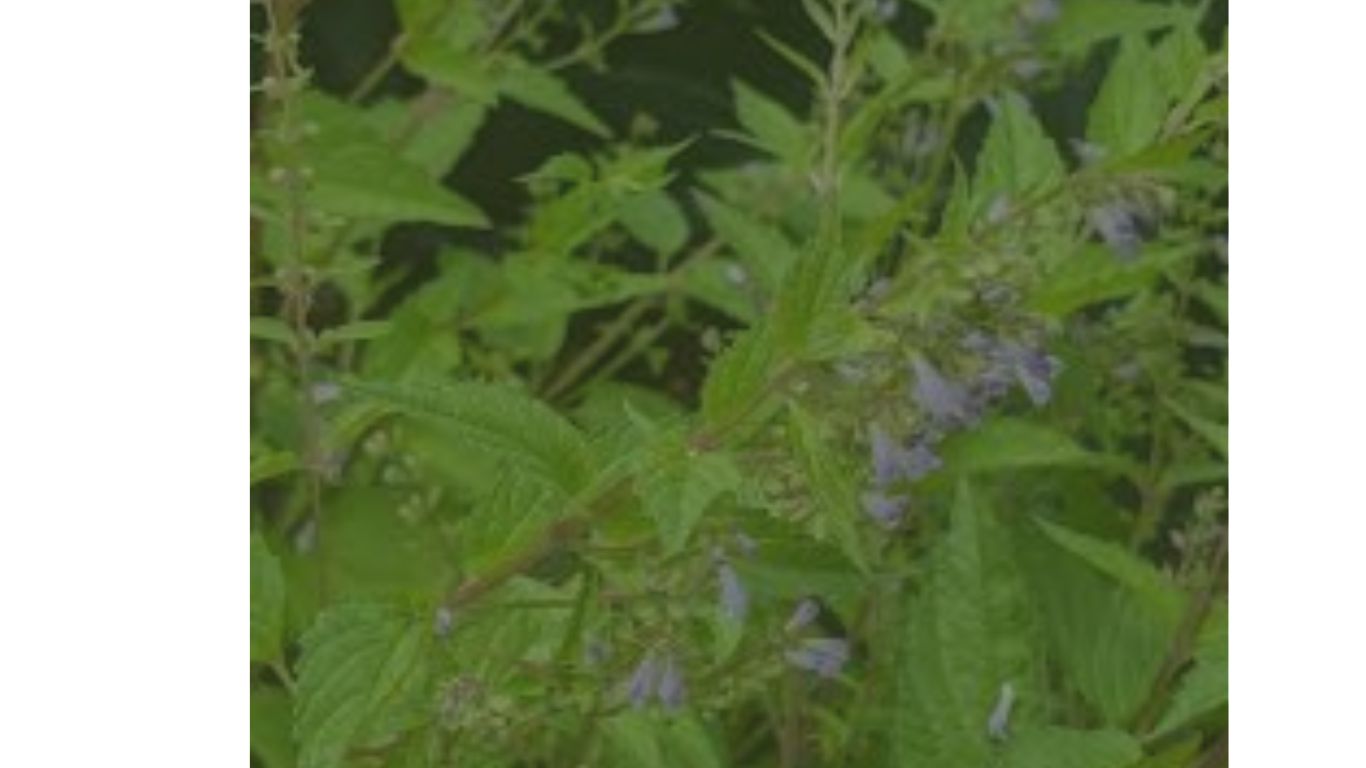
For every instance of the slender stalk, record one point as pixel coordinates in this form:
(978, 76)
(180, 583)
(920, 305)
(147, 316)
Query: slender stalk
(286, 78)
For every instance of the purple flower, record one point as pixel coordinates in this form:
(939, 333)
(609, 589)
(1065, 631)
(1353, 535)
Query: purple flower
(891, 462)
(734, 601)
(643, 681)
(1117, 225)
(746, 544)
(947, 402)
(672, 691)
(999, 721)
(886, 510)
(806, 612)
(1009, 362)
(1035, 370)
(825, 656)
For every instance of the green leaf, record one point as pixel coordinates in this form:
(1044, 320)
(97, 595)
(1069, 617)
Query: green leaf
(1084, 23)
(1129, 110)
(764, 250)
(814, 289)
(538, 89)
(679, 485)
(1109, 645)
(1017, 156)
(271, 723)
(830, 481)
(495, 424)
(267, 602)
(360, 330)
(642, 740)
(380, 547)
(358, 174)
(738, 377)
(1141, 579)
(969, 634)
(1204, 688)
(1053, 747)
(1213, 433)
(656, 220)
(272, 329)
(443, 137)
(506, 521)
(1180, 59)
(1006, 443)
(770, 125)
(1093, 275)
(362, 678)
(272, 464)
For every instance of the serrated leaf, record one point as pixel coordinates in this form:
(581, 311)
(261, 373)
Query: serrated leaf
(1017, 157)
(1204, 688)
(1110, 647)
(495, 424)
(970, 633)
(1140, 578)
(506, 521)
(737, 377)
(831, 484)
(1131, 106)
(764, 250)
(267, 602)
(656, 220)
(538, 89)
(770, 124)
(812, 290)
(356, 173)
(677, 486)
(1053, 747)
(362, 678)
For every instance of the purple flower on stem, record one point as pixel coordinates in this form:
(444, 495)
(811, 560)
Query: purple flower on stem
(892, 462)
(947, 402)
(886, 510)
(825, 656)
(1035, 371)
(806, 612)
(1117, 225)
(672, 690)
(643, 681)
(734, 601)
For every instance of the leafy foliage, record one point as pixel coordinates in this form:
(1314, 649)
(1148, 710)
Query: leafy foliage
(841, 384)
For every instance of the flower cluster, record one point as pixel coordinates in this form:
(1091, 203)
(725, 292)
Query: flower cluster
(658, 678)
(947, 405)
(824, 656)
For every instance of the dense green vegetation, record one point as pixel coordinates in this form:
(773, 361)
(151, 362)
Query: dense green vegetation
(723, 383)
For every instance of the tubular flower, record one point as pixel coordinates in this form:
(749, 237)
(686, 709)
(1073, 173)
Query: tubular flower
(825, 656)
